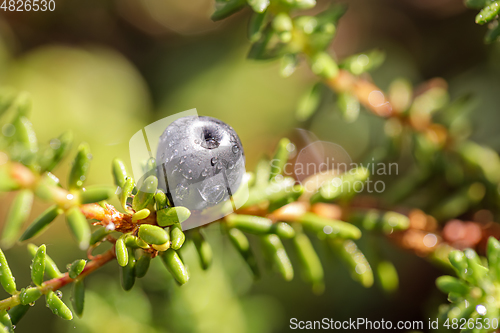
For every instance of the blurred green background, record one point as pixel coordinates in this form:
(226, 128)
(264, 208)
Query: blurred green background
(104, 69)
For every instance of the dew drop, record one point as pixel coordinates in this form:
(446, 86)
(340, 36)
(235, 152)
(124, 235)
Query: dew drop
(171, 143)
(58, 293)
(175, 169)
(181, 191)
(213, 161)
(186, 148)
(236, 149)
(187, 173)
(213, 194)
(204, 173)
(197, 141)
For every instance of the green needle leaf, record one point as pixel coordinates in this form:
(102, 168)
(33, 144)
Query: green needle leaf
(78, 299)
(450, 284)
(202, 247)
(17, 312)
(80, 167)
(310, 263)
(128, 271)
(38, 266)
(119, 172)
(242, 245)
(280, 158)
(387, 276)
(175, 266)
(6, 277)
(142, 264)
(51, 268)
(41, 222)
(29, 295)
(355, 260)
(79, 227)
(121, 251)
(329, 228)
(96, 194)
(309, 102)
(76, 268)
(224, 9)
(177, 236)
(18, 214)
(57, 306)
(276, 253)
(488, 13)
(98, 235)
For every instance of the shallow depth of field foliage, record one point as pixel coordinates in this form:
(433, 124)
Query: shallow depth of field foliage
(103, 70)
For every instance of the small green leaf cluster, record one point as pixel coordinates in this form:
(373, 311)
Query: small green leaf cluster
(473, 294)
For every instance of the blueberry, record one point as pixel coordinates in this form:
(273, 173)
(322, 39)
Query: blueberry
(200, 162)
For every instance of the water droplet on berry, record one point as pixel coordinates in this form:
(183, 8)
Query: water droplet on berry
(236, 149)
(186, 148)
(204, 173)
(230, 165)
(213, 161)
(181, 191)
(171, 143)
(188, 174)
(175, 168)
(213, 194)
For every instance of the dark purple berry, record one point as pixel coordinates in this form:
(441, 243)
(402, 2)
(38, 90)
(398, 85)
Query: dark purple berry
(200, 162)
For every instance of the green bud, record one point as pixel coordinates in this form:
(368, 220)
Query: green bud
(387, 276)
(17, 312)
(323, 65)
(121, 251)
(284, 230)
(51, 268)
(285, 196)
(355, 260)
(172, 215)
(329, 228)
(119, 172)
(488, 13)
(258, 6)
(18, 214)
(76, 268)
(450, 284)
(78, 299)
(29, 295)
(140, 215)
(160, 199)
(280, 158)
(177, 236)
(57, 150)
(146, 193)
(142, 264)
(341, 188)
(175, 266)
(80, 167)
(152, 234)
(376, 220)
(41, 222)
(57, 306)
(227, 8)
(276, 253)
(79, 227)
(38, 266)
(128, 271)
(98, 235)
(476, 4)
(240, 242)
(96, 194)
(202, 247)
(255, 26)
(135, 242)
(6, 277)
(309, 261)
(282, 22)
